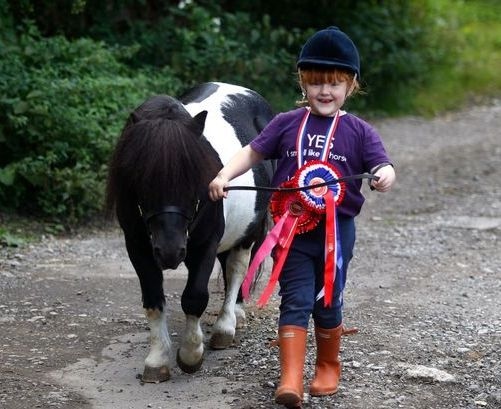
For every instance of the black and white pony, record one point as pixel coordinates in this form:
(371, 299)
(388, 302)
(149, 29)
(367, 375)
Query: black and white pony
(168, 152)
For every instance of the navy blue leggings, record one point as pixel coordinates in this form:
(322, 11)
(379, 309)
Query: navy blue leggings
(302, 277)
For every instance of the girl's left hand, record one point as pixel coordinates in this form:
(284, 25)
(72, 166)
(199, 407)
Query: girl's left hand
(386, 179)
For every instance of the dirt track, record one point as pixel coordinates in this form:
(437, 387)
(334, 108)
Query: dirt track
(424, 289)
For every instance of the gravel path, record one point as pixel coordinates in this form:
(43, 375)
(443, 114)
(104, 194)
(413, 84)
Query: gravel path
(424, 289)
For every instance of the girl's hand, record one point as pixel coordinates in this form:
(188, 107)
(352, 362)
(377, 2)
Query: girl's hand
(216, 191)
(386, 179)
(243, 160)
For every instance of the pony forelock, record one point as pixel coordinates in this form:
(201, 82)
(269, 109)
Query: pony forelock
(160, 159)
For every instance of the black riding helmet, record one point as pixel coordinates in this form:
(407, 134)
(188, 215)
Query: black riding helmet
(329, 48)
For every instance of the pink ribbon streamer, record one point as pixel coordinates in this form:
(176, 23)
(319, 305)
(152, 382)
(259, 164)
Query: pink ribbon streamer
(284, 243)
(264, 250)
(281, 235)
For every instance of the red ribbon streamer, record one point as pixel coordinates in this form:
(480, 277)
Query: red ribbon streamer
(294, 215)
(281, 236)
(330, 247)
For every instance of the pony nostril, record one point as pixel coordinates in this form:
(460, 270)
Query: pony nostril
(169, 259)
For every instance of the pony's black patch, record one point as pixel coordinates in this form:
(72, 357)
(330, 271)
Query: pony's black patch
(199, 93)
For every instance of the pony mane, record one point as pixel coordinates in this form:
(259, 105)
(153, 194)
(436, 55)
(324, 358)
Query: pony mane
(160, 156)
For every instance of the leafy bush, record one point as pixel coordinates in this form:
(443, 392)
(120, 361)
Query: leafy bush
(391, 36)
(258, 47)
(205, 43)
(468, 33)
(64, 97)
(62, 104)
(255, 42)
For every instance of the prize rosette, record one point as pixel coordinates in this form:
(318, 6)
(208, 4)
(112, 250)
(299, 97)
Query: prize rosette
(290, 201)
(307, 205)
(314, 173)
(298, 211)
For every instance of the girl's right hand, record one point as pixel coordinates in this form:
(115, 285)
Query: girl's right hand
(216, 191)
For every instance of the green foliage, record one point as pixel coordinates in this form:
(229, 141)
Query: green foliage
(9, 239)
(394, 58)
(62, 104)
(206, 43)
(252, 41)
(208, 46)
(71, 71)
(468, 34)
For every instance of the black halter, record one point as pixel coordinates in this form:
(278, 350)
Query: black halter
(193, 217)
(167, 209)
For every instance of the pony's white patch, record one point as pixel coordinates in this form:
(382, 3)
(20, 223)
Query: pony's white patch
(239, 206)
(160, 343)
(237, 216)
(191, 348)
(226, 322)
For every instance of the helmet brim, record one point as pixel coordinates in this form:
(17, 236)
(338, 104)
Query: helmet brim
(311, 63)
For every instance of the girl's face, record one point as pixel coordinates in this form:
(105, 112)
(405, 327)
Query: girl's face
(326, 99)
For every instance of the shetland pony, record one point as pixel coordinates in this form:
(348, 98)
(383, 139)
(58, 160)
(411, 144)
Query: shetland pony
(167, 154)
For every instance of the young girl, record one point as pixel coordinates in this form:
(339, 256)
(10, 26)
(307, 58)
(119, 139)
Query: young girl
(318, 133)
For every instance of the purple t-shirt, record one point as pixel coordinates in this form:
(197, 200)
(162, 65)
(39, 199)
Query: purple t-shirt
(357, 148)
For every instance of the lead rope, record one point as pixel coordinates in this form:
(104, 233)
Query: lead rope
(368, 176)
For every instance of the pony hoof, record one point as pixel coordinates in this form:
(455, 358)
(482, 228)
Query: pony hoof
(188, 368)
(155, 375)
(220, 341)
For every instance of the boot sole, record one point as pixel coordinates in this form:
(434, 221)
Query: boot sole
(323, 393)
(288, 399)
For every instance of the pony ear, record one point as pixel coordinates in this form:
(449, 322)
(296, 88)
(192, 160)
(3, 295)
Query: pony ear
(199, 122)
(134, 117)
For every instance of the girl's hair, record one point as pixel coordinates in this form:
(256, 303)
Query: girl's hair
(330, 76)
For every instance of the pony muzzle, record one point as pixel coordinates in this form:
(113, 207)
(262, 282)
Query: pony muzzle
(169, 260)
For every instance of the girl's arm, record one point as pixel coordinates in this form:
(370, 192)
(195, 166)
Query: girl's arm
(243, 160)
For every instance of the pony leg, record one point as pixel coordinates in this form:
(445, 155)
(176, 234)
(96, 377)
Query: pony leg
(191, 350)
(156, 364)
(194, 300)
(223, 330)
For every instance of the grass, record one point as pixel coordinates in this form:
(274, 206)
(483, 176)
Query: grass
(467, 72)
